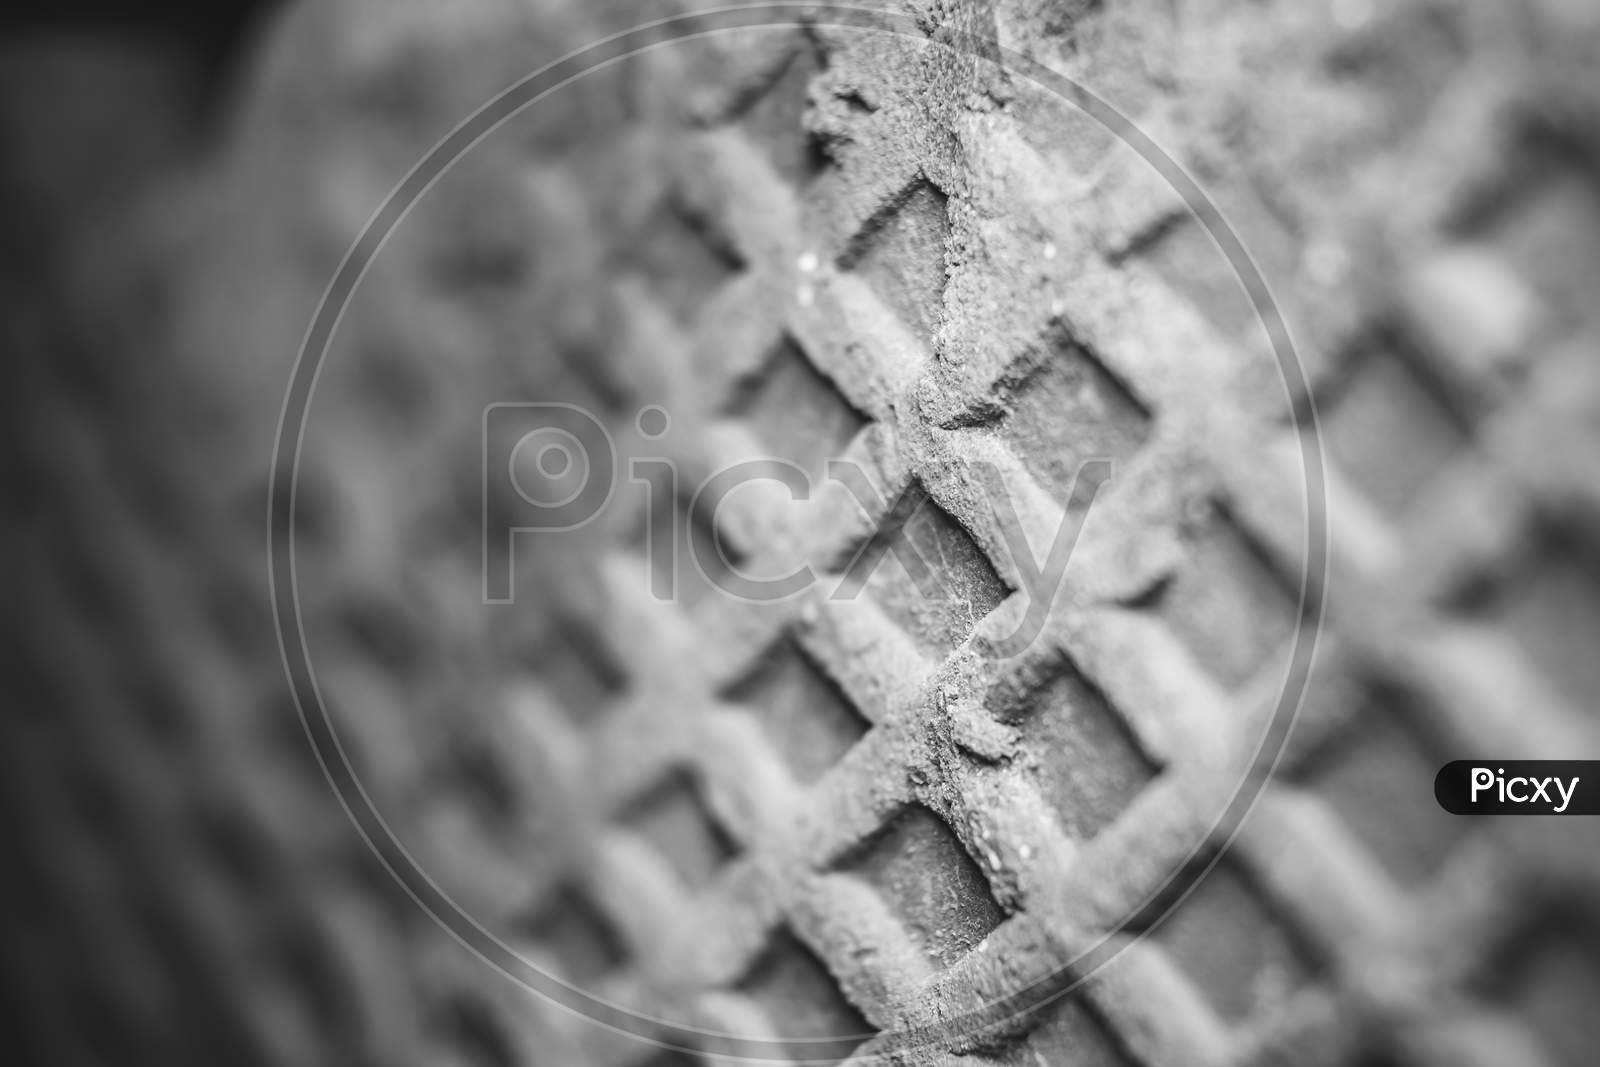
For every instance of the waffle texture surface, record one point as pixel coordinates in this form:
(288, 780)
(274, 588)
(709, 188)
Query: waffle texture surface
(859, 822)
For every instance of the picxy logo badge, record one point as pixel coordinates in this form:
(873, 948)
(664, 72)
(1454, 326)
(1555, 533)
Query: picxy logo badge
(1519, 787)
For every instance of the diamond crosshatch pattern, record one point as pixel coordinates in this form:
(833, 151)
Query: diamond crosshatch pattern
(874, 825)
(824, 818)
(935, 874)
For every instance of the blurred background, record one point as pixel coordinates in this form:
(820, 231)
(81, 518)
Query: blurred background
(809, 830)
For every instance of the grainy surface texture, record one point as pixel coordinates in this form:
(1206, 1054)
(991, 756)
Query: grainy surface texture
(838, 819)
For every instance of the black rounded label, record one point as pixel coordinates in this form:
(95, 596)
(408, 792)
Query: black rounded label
(1519, 787)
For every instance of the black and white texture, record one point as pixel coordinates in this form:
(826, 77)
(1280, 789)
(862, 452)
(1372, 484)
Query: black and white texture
(817, 818)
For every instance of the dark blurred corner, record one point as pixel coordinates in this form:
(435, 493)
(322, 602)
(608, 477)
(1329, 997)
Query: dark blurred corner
(97, 98)
(96, 101)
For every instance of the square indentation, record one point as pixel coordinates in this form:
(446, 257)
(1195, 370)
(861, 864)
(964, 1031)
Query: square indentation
(1082, 755)
(476, 768)
(1227, 604)
(802, 1000)
(470, 1027)
(1552, 984)
(1186, 258)
(776, 118)
(681, 260)
(1550, 604)
(929, 575)
(1551, 236)
(1070, 1032)
(795, 410)
(1378, 776)
(675, 819)
(1071, 410)
(809, 719)
(925, 876)
(477, 235)
(1234, 947)
(685, 558)
(901, 254)
(578, 670)
(572, 931)
(1389, 429)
